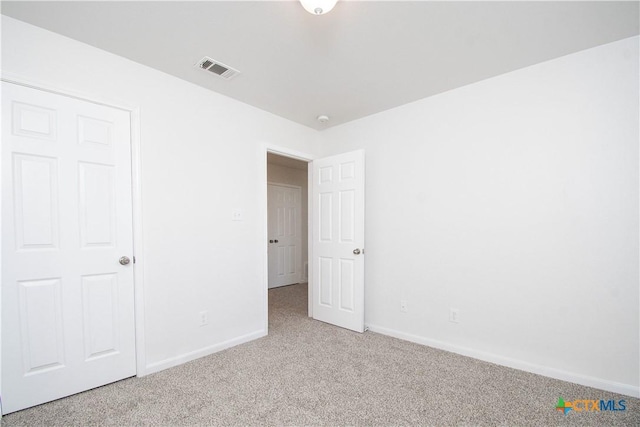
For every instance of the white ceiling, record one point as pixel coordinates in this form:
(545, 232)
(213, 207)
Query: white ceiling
(361, 58)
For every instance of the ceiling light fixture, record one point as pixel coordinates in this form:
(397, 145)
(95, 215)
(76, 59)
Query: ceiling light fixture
(318, 7)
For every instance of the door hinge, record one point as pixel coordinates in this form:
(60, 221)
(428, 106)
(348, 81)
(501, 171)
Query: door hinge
(134, 259)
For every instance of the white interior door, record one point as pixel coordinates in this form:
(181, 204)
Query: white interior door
(67, 301)
(285, 234)
(338, 240)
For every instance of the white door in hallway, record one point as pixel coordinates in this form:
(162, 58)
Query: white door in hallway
(67, 300)
(338, 240)
(285, 234)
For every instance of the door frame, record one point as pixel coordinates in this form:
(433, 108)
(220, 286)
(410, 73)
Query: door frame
(136, 199)
(298, 155)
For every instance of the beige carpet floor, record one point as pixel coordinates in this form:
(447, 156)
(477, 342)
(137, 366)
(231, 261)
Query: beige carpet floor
(310, 373)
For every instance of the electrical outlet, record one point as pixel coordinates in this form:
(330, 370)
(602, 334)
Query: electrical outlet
(403, 306)
(454, 315)
(204, 318)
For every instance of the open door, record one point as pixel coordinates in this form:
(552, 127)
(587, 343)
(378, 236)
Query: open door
(338, 240)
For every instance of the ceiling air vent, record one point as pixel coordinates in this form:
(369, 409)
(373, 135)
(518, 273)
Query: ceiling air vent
(217, 68)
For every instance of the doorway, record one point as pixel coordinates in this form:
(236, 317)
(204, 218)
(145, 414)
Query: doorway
(287, 220)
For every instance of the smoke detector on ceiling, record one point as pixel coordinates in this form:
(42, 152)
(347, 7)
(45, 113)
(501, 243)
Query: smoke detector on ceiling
(217, 68)
(323, 119)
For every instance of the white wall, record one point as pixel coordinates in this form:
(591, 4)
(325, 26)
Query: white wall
(514, 200)
(202, 156)
(279, 174)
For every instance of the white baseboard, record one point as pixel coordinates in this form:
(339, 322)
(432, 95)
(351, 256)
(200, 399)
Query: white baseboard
(626, 389)
(187, 357)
